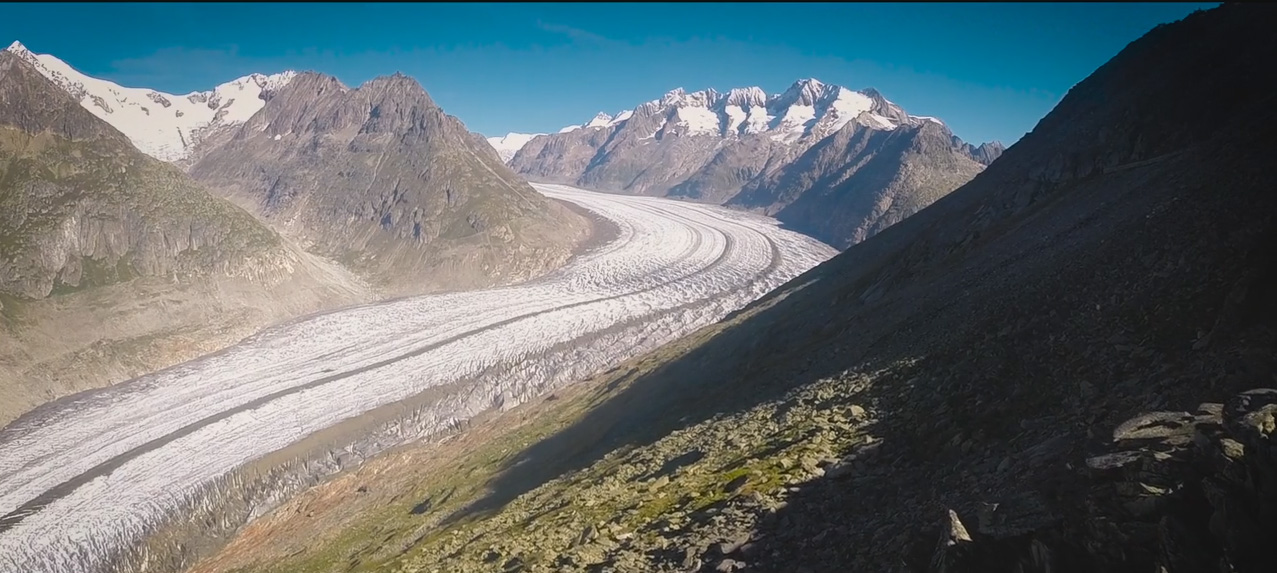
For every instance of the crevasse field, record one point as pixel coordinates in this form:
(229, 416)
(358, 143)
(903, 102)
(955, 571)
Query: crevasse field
(83, 479)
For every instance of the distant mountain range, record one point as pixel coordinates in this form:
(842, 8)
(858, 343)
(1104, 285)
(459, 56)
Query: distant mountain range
(850, 162)
(835, 163)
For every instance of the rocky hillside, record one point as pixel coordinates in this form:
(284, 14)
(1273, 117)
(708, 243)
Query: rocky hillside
(746, 149)
(860, 181)
(113, 263)
(1038, 372)
(382, 180)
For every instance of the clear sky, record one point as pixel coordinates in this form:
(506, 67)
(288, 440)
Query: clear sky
(990, 71)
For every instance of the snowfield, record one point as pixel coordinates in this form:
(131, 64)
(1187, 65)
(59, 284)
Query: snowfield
(83, 479)
(163, 125)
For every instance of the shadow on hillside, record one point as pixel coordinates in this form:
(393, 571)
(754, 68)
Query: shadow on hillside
(678, 394)
(970, 410)
(997, 365)
(999, 394)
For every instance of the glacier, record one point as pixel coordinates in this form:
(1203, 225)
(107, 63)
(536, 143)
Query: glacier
(83, 480)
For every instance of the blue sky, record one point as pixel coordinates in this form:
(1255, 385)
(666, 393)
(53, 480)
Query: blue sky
(990, 71)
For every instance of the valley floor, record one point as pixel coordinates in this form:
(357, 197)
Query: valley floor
(85, 479)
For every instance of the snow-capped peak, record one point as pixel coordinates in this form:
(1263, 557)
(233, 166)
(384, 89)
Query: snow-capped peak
(510, 143)
(743, 97)
(600, 120)
(807, 92)
(679, 97)
(162, 125)
(807, 110)
(673, 96)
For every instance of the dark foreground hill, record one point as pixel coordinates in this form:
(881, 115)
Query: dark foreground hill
(948, 395)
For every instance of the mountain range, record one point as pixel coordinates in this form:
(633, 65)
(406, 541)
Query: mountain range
(307, 155)
(835, 153)
(837, 164)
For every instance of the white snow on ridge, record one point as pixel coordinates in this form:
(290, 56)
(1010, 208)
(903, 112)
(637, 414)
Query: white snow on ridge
(808, 109)
(697, 120)
(510, 144)
(162, 125)
(878, 122)
(794, 123)
(675, 266)
(600, 120)
(847, 106)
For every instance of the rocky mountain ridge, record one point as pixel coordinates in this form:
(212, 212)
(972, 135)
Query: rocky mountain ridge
(734, 148)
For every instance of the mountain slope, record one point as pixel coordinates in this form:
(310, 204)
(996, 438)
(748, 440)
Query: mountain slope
(379, 178)
(1120, 258)
(746, 149)
(860, 181)
(165, 126)
(90, 228)
(698, 123)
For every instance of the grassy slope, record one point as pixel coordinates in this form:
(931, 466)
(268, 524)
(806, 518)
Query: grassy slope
(44, 179)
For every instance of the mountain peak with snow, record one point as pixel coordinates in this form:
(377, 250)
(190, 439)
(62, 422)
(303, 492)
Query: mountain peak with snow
(673, 96)
(750, 96)
(510, 143)
(600, 120)
(808, 91)
(163, 125)
(809, 109)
